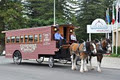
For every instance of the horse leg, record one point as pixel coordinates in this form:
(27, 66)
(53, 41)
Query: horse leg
(82, 65)
(73, 61)
(90, 59)
(99, 59)
(85, 65)
(83, 57)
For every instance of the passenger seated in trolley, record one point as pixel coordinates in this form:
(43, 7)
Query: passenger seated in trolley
(73, 38)
(58, 37)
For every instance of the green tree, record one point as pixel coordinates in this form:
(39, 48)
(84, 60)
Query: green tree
(90, 10)
(71, 10)
(41, 12)
(11, 16)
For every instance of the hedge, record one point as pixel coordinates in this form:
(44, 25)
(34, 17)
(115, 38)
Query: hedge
(118, 50)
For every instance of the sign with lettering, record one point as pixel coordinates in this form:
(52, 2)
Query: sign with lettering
(99, 26)
(46, 39)
(28, 47)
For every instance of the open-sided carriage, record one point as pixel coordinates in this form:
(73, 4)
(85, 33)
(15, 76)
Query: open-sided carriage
(37, 43)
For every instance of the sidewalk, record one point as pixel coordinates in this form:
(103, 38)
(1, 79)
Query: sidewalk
(108, 62)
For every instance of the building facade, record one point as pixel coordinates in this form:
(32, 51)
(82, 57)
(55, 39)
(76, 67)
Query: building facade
(114, 35)
(116, 26)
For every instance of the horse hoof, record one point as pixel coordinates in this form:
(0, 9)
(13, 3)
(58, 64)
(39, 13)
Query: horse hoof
(76, 68)
(99, 71)
(86, 70)
(73, 68)
(92, 68)
(81, 71)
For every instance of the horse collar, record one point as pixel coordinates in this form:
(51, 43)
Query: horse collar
(84, 46)
(100, 46)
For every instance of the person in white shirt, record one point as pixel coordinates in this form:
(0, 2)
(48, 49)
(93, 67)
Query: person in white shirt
(73, 38)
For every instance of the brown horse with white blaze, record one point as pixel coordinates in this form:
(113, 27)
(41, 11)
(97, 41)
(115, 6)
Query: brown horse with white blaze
(103, 47)
(81, 51)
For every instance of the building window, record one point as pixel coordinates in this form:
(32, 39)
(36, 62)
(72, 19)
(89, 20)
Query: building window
(26, 39)
(13, 39)
(30, 38)
(17, 39)
(22, 39)
(40, 38)
(8, 40)
(36, 38)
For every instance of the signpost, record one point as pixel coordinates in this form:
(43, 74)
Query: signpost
(98, 26)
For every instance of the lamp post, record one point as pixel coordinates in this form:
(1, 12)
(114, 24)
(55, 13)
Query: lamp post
(113, 17)
(117, 7)
(54, 12)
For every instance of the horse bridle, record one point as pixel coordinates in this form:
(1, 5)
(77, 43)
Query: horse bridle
(104, 48)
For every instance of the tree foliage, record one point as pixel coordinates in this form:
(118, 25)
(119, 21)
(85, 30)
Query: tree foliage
(40, 12)
(11, 16)
(15, 14)
(90, 10)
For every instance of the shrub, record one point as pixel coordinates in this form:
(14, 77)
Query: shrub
(114, 55)
(118, 50)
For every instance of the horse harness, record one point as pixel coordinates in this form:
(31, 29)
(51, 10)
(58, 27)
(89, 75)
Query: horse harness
(83, 49)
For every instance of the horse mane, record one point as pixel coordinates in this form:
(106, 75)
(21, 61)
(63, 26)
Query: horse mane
(106, 39)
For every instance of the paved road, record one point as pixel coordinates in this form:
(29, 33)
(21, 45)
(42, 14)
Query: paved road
(33, 71)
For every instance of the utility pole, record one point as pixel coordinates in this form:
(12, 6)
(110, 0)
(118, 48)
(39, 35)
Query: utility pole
(54, 13)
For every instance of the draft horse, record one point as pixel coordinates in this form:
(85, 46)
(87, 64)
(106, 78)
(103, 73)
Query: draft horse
(103, 47)
(81, 51)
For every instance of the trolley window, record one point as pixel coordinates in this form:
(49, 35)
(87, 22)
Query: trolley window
(26, 38)
(17, 39)
(40, 37)
(30, 38)
(13, 39)
(22, 39)
(8, 40)
(36, 38)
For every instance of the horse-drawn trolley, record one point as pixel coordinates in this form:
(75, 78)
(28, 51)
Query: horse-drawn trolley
(37, 43)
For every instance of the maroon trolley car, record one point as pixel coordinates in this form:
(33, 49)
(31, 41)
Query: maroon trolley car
(36, 43)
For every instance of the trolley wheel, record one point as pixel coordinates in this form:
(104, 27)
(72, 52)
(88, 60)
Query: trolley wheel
(17, 57)
(63, 61)
(40, 60)
(51, 61)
